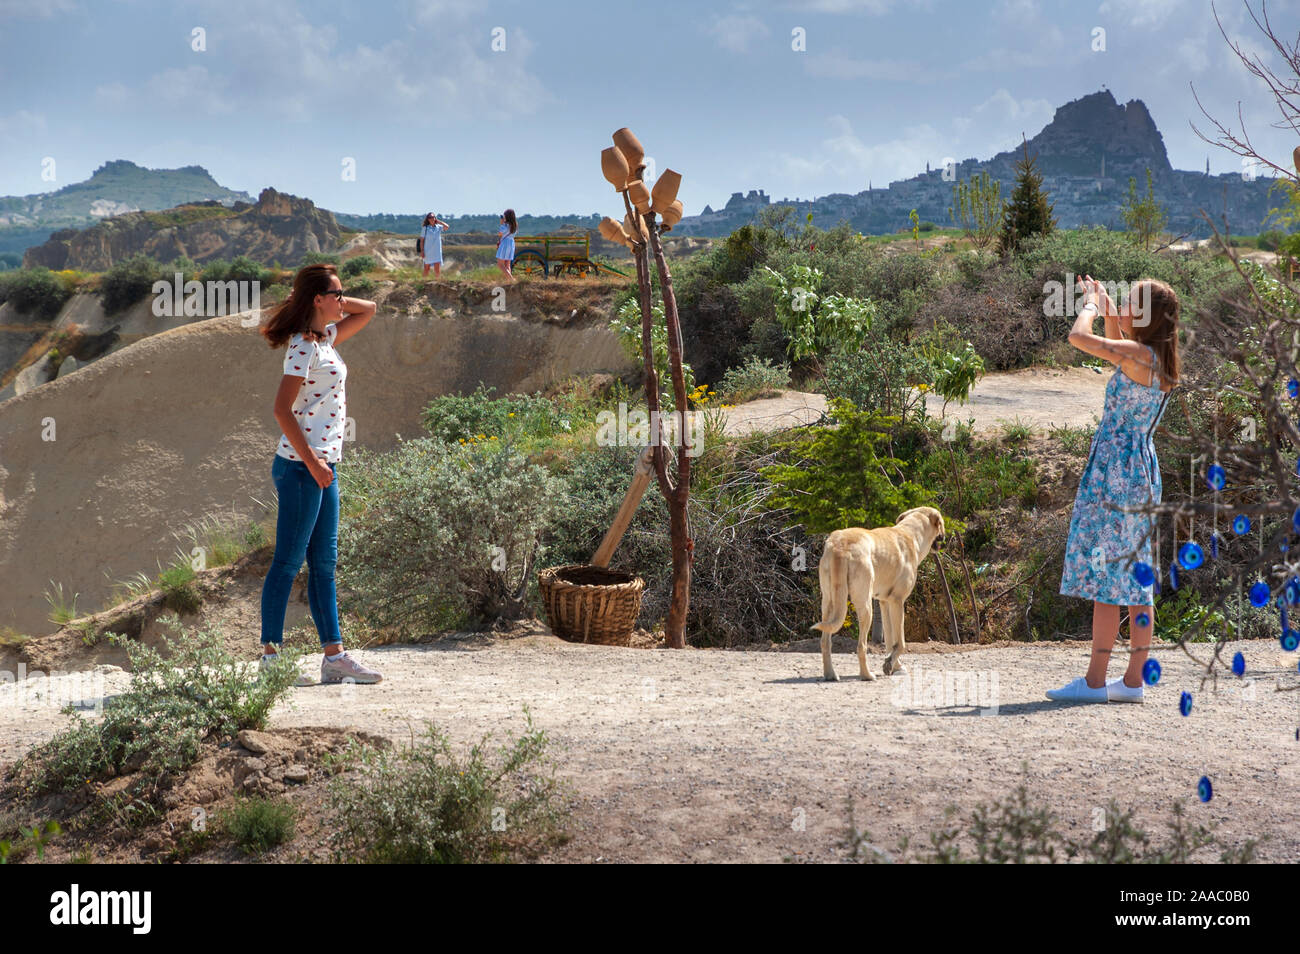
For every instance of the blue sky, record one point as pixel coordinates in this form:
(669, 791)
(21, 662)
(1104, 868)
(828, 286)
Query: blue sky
(435, 118)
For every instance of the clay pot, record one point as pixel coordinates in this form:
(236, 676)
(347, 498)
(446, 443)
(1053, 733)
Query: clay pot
(614, 167)
(673, 214)
(630, 146)
(1296, 156)
(611, 230)
(639, 196)
(633, 231)
(665, 190)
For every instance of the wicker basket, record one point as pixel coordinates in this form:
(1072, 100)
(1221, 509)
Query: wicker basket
(591, 604)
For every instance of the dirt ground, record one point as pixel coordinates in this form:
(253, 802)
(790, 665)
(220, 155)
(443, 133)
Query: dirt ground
(699, 755)
(1037, 397)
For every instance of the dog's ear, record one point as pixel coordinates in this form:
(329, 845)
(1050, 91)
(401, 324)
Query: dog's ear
(936, 518)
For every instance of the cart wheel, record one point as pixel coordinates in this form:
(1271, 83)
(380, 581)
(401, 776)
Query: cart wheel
(529, 263)
(582, 266)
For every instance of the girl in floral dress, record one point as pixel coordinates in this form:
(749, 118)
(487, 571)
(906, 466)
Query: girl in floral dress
(1122, 472)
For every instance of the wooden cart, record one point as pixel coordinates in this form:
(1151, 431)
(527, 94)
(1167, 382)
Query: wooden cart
(556, 255)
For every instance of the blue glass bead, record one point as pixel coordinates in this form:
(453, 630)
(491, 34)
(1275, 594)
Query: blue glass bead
(1216, 477)
(1258, 594)
(1239, 665)
(1185, 703)
(1143, 573)
(1190, 555)
(1151, 672)
(1204, 790)
(1173, 575)
(1143, 620)
(1293, 590)
(1240, 524)
(1293, 388)
(1290, 640)
(1214, 545)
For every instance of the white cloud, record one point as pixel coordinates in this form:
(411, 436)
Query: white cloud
(844, 162)
(1143, 13)
(286, 64)
(34, 9)
(870, 7)
(737, 32)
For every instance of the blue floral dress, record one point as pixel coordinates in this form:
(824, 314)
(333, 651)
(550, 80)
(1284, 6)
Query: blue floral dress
(1122, 471)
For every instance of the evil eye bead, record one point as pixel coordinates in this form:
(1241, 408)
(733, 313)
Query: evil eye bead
(1151, 672)
(1290, 640)
(1293, 388)
(1143, 620)
(1185, 703)
(1173, 576)
(1214, 546)
(1258, 594)
(1190, 555)
(1143, 573)
(1216, 477)
(1240, 524)
(1293, 590)
(1204, 790)
(1239, 665)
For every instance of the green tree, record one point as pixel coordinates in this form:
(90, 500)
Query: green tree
(1028, 213)
(817, 324)
(841, 480)
(978, 208)
(1144, 217)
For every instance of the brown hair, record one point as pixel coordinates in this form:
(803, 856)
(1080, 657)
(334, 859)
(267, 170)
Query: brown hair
(1158, 303)
(509, 216)
(293, 315)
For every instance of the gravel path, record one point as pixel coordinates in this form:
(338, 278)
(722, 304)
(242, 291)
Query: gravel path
(1038, 397)
(699, 755)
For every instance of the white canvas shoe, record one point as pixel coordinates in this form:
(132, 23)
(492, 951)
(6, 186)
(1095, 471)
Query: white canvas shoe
(1118, 691)
(1078, 690)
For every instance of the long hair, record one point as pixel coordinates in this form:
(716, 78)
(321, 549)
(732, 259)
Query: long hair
(511, 221)
(1157, 302)
(293, 315)
(428, 220)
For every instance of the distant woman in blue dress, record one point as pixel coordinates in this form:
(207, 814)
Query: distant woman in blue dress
(431, 243)
(506, 244)
(1122, 472)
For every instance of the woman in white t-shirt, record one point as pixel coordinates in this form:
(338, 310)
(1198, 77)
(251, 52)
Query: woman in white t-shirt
(311, 409)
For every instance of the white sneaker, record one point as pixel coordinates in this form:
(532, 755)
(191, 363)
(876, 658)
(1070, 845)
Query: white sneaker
(1119, 691)
(1077, 690)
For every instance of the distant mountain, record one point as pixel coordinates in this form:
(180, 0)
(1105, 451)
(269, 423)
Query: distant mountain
(114, 188)
(1087, 154)
(278, 227)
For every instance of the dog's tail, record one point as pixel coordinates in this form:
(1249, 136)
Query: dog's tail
(833, 572)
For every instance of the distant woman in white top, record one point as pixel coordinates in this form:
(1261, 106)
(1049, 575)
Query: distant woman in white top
(506, 244)
(431, 243)
(311, 409)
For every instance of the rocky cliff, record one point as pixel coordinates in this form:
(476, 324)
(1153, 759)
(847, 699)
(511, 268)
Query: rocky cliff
(278, 227)
(1087, 154)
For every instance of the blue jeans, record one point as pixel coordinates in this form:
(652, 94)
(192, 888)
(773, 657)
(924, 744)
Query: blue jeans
(307, 526)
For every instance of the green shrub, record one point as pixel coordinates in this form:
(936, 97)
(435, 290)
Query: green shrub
(422, 804)
(319, 258)
(361, 285)
(758, 377)
(34, 291)
(1019, 830)
(179, 593)
(357, 266)
(128, 282)
(479, 416)
(443, 534)
(842, 479)
(197, 692)
(257, 825)
(883, 377)
(627, 325)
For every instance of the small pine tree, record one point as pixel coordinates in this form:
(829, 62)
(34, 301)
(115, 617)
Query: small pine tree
(1028, 213)
(1144, 217)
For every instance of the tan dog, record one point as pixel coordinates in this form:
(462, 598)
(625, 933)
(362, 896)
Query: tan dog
(876, 564)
